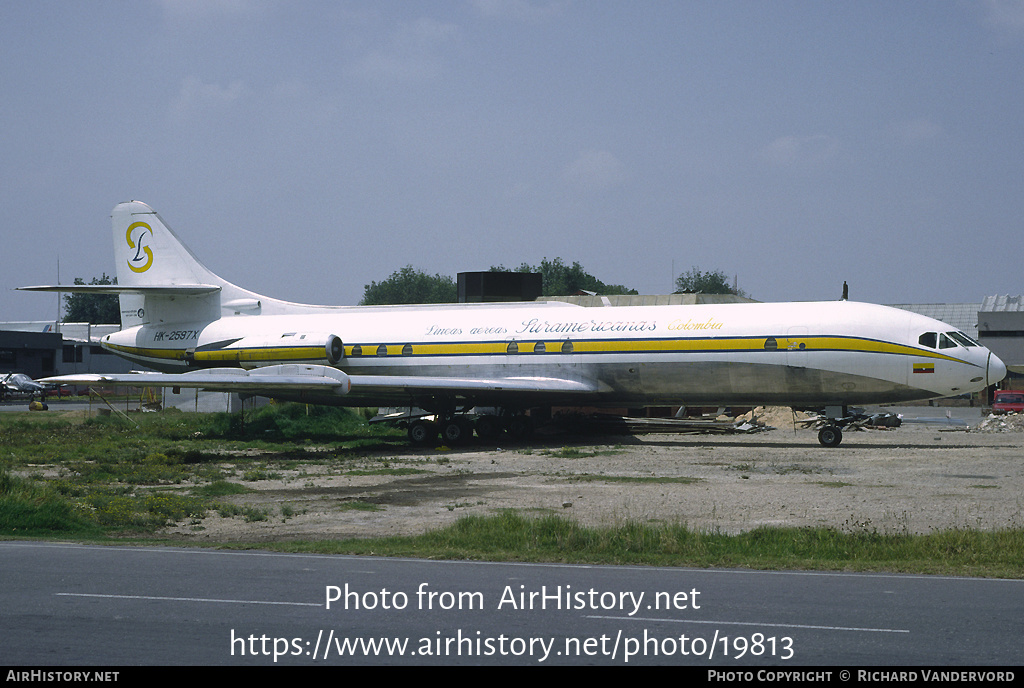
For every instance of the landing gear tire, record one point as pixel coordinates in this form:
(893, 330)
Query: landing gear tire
(830, 436)
(520, 428)
(456, 431)
(488, 428)
(422, 432)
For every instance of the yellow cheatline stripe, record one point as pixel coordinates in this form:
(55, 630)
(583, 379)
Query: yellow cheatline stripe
(444, 349)
(292, 353)
(709, 345)
(655, 345)
(297, 353)
(754, 344)
(173, 354)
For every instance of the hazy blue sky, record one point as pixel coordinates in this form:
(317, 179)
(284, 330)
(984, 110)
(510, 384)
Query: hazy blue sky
(303, 149)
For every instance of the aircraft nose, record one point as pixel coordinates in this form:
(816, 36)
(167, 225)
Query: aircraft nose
(996, 369)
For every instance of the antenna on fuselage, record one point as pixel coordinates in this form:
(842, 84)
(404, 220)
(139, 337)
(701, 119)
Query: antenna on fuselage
(846, 292)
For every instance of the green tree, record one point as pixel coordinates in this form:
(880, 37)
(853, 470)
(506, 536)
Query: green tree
(96, 309)
(409, 285)
(709, 282)
(564, 280)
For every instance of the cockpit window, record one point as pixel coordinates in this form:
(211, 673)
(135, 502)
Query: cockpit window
(946, 343)
(962, 339)
(928, 339)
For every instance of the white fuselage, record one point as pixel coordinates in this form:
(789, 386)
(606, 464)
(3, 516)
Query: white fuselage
(798, 354)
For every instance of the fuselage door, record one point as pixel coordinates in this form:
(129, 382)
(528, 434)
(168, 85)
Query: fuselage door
(796, 348)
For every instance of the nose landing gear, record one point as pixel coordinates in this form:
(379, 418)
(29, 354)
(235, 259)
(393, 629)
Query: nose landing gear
(839, 418)
(830, 435)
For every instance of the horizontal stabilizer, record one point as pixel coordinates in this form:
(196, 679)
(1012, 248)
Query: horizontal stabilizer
(152, 290)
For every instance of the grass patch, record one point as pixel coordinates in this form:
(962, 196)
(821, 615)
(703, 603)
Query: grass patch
(149, 510)
(359, 505)
(251, 514)
(577, 453)
(303, 423)
(111, 475)
(510, 536)
(32, 509)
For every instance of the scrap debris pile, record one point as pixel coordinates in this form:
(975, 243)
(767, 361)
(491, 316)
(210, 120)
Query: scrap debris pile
(860, 421)
(625, 425)
(776, 417)
(759, 419)
(1008, 422)
(636, 426)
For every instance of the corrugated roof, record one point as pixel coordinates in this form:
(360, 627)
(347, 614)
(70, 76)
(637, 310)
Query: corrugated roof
(1000, 303)
(648, 299)
(962, 316)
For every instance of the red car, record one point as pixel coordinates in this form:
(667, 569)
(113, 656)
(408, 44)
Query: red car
(1008, 401)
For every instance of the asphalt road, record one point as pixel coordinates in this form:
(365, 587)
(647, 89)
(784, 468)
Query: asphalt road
(66, 604)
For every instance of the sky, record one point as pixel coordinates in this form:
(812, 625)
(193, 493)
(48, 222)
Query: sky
(304, 149)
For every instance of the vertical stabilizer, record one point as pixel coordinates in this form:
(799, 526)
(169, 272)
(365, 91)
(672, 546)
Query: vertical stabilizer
(148, 254)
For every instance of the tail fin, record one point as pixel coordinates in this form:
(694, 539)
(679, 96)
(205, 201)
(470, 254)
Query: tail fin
(151, 257)
(148, 253)
(175, 286)
(159, 280)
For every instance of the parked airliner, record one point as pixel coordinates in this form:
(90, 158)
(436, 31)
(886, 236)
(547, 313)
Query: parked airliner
(201, 331)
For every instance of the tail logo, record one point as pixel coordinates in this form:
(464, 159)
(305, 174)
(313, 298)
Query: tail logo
(143, 258)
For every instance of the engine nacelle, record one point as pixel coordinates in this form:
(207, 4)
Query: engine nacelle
(288, 347)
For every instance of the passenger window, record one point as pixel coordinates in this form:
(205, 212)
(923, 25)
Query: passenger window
(946, 343)
(927, 339)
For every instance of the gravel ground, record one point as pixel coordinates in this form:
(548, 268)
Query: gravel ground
(917, 478)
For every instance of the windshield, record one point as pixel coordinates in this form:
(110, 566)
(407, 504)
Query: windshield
(962, 339)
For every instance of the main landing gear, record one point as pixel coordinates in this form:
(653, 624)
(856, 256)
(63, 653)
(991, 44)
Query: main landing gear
(458, 428)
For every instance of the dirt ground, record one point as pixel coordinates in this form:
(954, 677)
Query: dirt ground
(916, 479)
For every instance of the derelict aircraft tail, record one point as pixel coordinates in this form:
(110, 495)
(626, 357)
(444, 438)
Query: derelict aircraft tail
(168, 283)
(159, 280)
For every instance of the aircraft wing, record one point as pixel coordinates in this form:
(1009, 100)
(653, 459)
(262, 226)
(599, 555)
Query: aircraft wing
(271, 380)
(281, 378)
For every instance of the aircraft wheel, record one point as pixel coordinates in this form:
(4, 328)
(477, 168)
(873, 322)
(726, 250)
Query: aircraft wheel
(830, 436)
(488, 428)
(456, 431)
(422, 432)
(520, 428)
